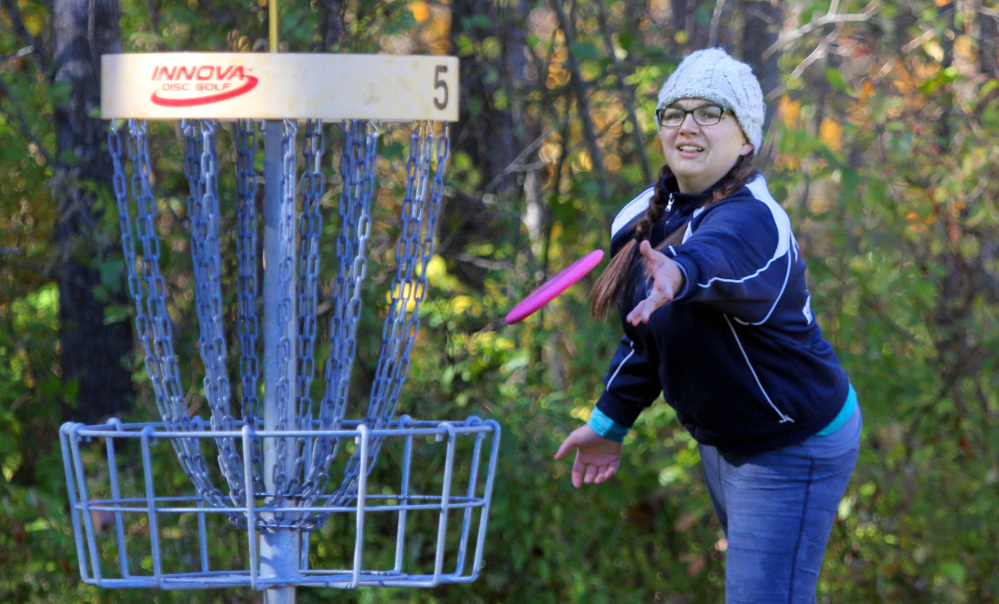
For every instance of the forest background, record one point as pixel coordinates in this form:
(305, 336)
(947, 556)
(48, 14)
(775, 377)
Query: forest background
(880, 143)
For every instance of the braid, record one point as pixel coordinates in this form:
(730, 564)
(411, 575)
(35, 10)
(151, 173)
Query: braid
(657, 203)
(740, 174)
(608, 288)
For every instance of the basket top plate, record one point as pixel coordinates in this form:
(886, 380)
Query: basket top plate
(198, 85)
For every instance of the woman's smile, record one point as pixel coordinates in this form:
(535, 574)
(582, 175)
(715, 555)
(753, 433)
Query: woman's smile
(699, 156)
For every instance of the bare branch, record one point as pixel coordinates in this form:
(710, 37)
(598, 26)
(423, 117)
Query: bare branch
(715, 21)
(917, 41)
(830, 18)
(517, 165)
(27, 50)
(17, 21)
(819, 53)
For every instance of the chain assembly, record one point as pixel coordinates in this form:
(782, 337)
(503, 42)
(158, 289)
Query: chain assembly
(298, 474)
(247, 285)
(357, 164)
(414, 250)
(148, 292)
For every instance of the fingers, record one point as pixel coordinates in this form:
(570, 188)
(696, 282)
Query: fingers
(567, 445)
(644, 309)
(635, 316)
(590, 473)
(655, 300)
(651, 254)
(605, 473)
(575, 439)
(597, 459)
(663, 287)
(578, 470)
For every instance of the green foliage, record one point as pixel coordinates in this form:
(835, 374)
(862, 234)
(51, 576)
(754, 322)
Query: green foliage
(885, 162)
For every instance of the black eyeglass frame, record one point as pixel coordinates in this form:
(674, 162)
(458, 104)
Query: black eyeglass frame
(661, 110)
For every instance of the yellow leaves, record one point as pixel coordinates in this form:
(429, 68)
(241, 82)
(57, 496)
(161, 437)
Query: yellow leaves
(612, 163)
(964, 48)
(789, 111)
(916, 225)
(431, 34)
(866, 91)
(583, 162)
(461, 304)
(933, 48)
(557, 76)
(903, 82)
(34, 22)
(831, 133)
(406, 293)
(550, 151)
(436, 268)
(420, 10)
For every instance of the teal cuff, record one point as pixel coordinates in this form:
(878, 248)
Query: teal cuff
(844, 414)
(606, 427)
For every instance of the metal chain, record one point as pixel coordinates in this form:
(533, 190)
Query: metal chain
(414, 251)
(203, 212)
(152, 322)
(415, 246)
(310, 229)
(247, 285)
(357, 169)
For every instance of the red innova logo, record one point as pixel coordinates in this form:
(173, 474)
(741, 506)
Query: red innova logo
(193, 85)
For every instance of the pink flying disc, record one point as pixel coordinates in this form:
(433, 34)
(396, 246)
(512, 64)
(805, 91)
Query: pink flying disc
(554, 286)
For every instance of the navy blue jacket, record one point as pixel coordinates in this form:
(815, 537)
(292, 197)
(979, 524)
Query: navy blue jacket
(737, 353)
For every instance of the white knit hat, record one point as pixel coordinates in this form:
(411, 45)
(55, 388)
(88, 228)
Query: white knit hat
(713, 75)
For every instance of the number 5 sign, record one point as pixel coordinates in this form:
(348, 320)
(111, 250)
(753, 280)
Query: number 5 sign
(177, 85)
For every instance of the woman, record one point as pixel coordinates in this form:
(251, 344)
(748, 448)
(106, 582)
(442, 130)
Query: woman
(716, 312)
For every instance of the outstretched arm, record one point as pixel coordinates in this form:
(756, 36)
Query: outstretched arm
(597, 458)
(668, 280)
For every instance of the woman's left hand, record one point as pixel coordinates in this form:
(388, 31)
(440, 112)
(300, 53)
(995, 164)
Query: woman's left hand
(597, 458)
(668, 280)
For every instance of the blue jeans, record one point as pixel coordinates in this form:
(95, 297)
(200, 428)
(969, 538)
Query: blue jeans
(777, 510)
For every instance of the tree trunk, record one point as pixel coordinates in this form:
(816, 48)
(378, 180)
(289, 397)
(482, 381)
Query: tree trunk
(988, 42)
(332, 31)
(762, 20)
(490, 131)
(93, 353)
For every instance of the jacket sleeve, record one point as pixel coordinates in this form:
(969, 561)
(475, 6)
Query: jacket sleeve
(738, 260)
(631, 384)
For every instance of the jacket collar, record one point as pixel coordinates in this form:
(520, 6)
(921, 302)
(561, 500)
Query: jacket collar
(685, 203)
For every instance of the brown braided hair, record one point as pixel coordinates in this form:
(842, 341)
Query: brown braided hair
(608, 288)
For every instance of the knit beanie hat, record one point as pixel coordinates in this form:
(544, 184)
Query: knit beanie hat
(713, 75)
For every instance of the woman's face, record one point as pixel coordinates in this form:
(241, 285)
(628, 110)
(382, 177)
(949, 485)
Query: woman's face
(700, 155)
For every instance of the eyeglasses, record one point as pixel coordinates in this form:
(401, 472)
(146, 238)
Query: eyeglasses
(705, 115)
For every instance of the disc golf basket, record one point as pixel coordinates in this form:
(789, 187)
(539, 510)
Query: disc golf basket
(281, 490)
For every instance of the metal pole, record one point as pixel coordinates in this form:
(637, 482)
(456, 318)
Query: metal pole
(279, 549)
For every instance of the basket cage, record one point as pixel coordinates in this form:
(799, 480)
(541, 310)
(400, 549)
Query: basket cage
(418, 518)
(194, 502)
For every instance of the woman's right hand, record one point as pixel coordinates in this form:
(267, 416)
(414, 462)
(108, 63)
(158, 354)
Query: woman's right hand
(668, 280)
(597, 458)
